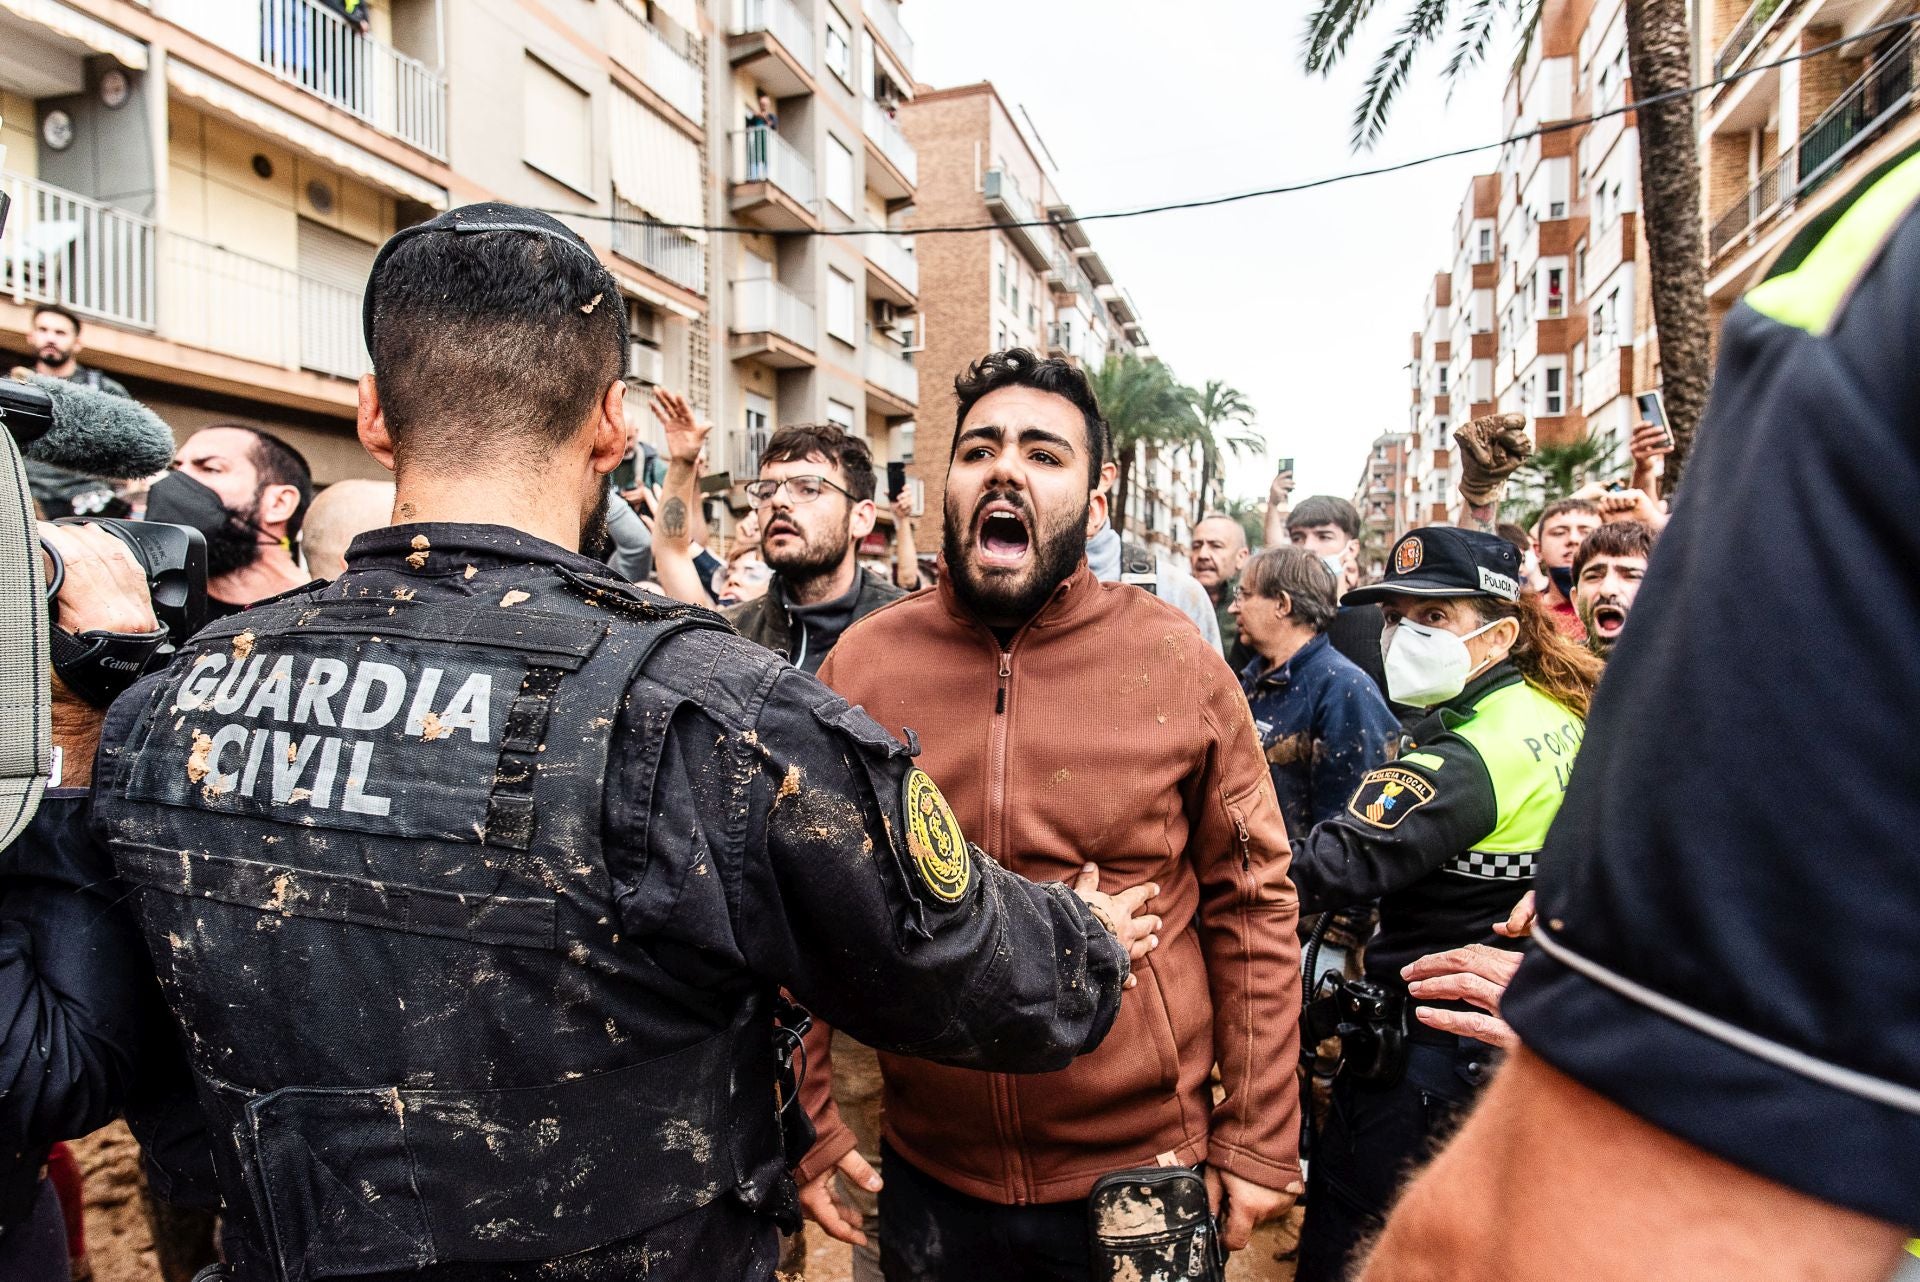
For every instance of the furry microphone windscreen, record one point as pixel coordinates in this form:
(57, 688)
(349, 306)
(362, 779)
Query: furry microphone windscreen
(93, 432)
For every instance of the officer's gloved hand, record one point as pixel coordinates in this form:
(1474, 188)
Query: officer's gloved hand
(1492, 448)
(1121, 914)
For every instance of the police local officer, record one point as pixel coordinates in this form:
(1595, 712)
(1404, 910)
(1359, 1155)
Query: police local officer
(1445, 838)
(472, 878)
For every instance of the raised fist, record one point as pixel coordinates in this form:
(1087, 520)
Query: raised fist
(1491, 447)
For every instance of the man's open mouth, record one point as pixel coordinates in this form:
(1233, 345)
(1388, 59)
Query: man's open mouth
(1608, 620)
(1001, 535)
(778, 528)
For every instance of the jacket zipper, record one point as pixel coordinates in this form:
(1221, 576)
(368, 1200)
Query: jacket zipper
(996, 825)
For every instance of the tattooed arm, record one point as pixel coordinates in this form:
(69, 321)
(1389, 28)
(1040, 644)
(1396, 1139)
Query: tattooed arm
(679, 498)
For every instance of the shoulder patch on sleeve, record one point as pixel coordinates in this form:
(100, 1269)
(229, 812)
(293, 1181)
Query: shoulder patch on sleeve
(934, 840)
(1389, 795)
(1427, 759)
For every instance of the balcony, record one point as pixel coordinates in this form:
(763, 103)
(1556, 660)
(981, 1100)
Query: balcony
(1010, 208)
(639, 47)
(774, 40)
(1065, 277)
(665, 251)
(307, 45)
(893, 385)
(1060, 339)
(226, 302)
(893, 273)
(772, 181)
(61, 248)
(773, 324)
(1746, 37)
(1881, 96)
(898, 169)
(884, 17)
(114, 267)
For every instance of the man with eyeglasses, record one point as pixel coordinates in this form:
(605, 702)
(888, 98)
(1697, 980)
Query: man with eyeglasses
(815, 500)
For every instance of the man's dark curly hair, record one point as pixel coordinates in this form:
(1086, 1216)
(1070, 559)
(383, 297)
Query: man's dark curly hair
(1018, 367)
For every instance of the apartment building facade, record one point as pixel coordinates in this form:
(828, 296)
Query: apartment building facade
(1036, 281)
(1384, 498)
(1546, 307)
(1780, 146)
(206, 182)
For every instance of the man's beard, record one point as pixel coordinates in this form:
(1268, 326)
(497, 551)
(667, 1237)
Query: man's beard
(52, 356)
(818, 556)
(235, 545)
(596, 540)
(1015, 598)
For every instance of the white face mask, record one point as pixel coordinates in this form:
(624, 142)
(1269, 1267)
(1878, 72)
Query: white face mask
(1336, 568)
(1426, 665)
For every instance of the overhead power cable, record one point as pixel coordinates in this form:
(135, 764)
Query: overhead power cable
(1208, 202)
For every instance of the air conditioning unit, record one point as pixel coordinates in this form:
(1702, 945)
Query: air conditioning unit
(886, 316)
(646, 364)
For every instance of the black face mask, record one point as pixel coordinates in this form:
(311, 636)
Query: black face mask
(233, 541)
(1562, 576)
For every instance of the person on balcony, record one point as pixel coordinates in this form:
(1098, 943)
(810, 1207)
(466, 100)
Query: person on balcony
(56, 348)
(761, 121)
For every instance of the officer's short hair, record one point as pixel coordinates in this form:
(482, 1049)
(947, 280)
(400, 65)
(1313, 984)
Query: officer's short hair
(1615, 538)
(1325, 509)
(801, 441)
(1299, 574)
(483, 336)
(1018, 367)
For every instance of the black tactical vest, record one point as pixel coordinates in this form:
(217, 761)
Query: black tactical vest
(365, 835)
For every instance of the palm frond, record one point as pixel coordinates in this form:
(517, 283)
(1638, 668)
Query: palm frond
(1425, 21)
(1330, 29)
(1476, 33)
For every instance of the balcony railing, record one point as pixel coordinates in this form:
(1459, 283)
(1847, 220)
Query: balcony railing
(1858, 115)
(303, 42)
(886, 20)
(1060, 338)
(1007, 203)
(58, 247)
(1751, 209)
(894, 256)
(1861, 114)
(761, 155)
(891, 369)
(665, 250)
(882, 128)
(784, 22)
(768, 307)
(639, 47)
(747, 445)
(226, 302)
(1745, 36)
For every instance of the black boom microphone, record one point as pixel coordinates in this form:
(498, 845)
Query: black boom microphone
(84, 430)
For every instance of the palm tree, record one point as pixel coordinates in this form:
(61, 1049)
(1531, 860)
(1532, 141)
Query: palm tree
(1554, 472)
(1251, 515)
(1660, 60)
(1143, 405)
(1226, 422)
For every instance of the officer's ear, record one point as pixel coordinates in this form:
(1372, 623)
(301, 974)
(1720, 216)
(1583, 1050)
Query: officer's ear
(610, 428)
(1501, 638)
(370, 424)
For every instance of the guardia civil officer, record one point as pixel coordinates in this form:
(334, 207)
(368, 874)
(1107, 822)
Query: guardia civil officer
(472, 878)
(1445, 838)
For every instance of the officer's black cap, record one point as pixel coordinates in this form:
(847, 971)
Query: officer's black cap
(1440, 560)
(491, 215)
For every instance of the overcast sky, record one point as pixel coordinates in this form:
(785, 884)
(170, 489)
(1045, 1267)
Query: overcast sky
(1304, 302)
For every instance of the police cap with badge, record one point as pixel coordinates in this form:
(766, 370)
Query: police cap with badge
(1442, 560)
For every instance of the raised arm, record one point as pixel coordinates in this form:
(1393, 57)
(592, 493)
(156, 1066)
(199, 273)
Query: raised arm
(1492, 447)
(679, 498)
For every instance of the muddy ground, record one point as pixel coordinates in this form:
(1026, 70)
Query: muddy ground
(120, 1244)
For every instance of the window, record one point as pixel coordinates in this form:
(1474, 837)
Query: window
(1556, 295)
(1443, 379)
(840, 414)
(1555, 405)
(1016, 292)
(1000, 262)
(841, 308)
(840, 176)
(839, 48)
(558, 124)
(1486, 245)
(753, 440)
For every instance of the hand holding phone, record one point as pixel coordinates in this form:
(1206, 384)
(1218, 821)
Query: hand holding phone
(896, 480)
(1654, 410)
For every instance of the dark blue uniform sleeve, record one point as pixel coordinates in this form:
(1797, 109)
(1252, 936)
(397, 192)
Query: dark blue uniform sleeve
(806, 850)
(1401, 823)
(1359, 733)
(1728, 900)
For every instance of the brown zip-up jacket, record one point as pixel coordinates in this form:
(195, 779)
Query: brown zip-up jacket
(1107, 732)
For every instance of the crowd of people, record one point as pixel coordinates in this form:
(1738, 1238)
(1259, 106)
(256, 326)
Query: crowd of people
(522, 876)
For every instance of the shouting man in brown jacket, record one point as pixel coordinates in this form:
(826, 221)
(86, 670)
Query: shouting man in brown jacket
(1074, 723)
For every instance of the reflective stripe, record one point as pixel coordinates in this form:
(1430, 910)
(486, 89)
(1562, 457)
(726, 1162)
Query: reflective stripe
(1878, 1090)
(1810, 296)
